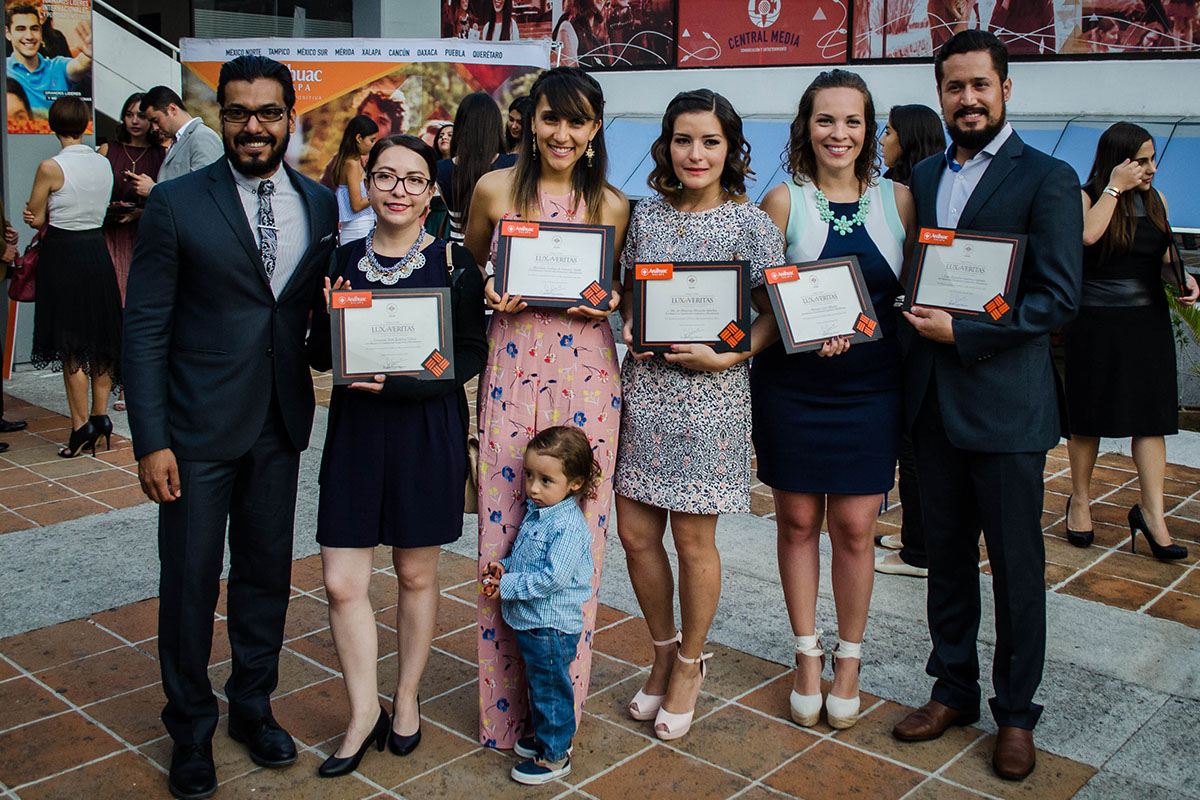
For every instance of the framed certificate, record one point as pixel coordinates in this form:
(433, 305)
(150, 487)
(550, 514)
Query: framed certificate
(818, 300)
(692, 303)
(392, 332)
(555, 264)
(969, 274)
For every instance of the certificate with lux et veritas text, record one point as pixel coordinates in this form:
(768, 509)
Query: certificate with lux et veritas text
(818, 300)
(968, 274)
(555, 264)
(691, 303)
(392, 332)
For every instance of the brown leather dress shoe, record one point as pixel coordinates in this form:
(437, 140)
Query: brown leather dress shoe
(930, 721)
(1015, 754)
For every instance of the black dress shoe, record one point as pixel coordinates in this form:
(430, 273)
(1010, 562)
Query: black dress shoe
(403, 745)
(269, 744)
(3, 446)
(335, 767)
(7, 426)
(192, 771)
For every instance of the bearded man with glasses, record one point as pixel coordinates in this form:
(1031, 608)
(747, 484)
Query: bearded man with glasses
(229, 262)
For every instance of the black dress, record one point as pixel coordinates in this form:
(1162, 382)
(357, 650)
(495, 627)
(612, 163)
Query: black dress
(1120, 351)
(395, 464)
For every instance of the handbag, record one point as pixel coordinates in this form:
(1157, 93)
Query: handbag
(471, 489)
(21, 286)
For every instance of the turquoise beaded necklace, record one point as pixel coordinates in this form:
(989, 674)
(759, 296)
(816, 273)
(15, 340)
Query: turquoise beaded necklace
(843, 224)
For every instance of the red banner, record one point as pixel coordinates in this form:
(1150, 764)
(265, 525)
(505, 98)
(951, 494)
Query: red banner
(721, 33)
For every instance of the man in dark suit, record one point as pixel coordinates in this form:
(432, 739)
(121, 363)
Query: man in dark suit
(229, 262)
(982, 403)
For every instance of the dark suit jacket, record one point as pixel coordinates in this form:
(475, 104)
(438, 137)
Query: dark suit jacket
(207, 344)
(996, 384)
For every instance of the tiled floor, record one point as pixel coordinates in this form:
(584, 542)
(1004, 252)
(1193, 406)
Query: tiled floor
(38, 488)
(79, 706)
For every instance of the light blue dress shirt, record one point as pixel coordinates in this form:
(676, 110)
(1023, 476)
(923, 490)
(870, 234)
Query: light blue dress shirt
(958, 182)
(548, 576)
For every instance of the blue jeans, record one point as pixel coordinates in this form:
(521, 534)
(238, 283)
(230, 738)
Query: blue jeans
(548, 655)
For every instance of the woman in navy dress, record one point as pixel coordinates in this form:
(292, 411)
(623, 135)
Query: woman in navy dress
(827, 423)
(395, 458)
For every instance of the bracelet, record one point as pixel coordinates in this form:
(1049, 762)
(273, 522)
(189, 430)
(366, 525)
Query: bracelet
(1113, 191)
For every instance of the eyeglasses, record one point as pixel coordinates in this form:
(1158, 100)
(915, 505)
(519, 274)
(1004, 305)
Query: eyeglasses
(238, 115)
(413, 184)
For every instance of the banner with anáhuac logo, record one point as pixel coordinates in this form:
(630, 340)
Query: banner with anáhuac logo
(405, 85)
(726, 33)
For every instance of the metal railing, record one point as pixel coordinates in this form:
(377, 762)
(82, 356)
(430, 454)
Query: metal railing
(137, 28)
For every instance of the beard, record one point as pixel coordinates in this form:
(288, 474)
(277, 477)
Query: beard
(975, 140)
(263, 164)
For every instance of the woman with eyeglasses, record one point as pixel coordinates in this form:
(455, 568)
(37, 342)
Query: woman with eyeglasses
(395, 456)
(545, 367)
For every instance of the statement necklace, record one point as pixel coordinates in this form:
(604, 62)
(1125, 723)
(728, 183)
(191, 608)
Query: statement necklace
(412, 260)
(843, 224)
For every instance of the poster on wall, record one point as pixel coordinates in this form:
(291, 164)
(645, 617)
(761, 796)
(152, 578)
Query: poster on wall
(48, 49)
(752, 33)
(594, 34)
(406, 85)
(917, 28)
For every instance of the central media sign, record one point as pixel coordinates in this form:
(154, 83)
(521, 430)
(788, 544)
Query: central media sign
(761, 33)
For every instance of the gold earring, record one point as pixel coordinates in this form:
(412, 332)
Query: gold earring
(535, 155)
(589, 153)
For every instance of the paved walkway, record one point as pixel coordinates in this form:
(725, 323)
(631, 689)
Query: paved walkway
(79, 690)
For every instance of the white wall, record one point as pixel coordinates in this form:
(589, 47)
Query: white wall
(1112, 88)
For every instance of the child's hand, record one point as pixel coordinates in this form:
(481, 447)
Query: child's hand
(490, 583)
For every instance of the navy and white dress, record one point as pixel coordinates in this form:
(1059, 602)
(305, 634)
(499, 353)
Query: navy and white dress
(832, 425)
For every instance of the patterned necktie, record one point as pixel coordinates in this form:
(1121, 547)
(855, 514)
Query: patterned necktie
(267, 235)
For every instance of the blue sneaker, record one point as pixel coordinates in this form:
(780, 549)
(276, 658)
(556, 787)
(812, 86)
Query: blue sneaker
(527, 747)
(535, 773)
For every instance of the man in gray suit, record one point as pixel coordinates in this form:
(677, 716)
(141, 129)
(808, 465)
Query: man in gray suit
(196, 145)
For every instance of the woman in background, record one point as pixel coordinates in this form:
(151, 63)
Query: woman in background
(1121, 377)
(913, 133)
(441, 142)
(477, 147)
(582, 33)
(345, 171)
(77, 317)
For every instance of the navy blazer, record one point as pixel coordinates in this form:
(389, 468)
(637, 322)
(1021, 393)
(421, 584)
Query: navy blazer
(996, 385)
(207, 344)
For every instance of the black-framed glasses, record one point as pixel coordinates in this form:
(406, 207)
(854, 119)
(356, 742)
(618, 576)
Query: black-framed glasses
(238, 115)
(413, 184)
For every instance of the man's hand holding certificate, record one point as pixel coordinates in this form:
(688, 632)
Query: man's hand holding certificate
(966, 274)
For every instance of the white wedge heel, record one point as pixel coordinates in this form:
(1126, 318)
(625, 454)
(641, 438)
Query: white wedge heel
(806, 708)
(843, 711)
(645, 706)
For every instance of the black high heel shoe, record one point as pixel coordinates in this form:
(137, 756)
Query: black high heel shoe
(104, 428)
(1170, 552)
(335, 767)
(1078, 538)
(403, 745)
(80, 438)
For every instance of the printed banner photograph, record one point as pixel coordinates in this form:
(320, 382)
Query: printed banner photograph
(594, 34)
(48, 45)
(406, 85)
(750, 33)
(917, 28)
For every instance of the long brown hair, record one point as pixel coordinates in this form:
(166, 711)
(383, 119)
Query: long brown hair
(737, 158)
(360, 125)
(800, 161)
(571, 93)
(1121, 141)
(478, 139)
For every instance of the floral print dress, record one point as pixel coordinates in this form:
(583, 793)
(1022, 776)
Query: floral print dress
(685, 434)
(544, 368)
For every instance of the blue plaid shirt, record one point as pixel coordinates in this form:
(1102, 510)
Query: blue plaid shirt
(548, 575)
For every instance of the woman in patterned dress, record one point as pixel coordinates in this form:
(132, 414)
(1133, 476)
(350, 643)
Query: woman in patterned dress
(685, 431)
(827, 429)
(545, 366)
